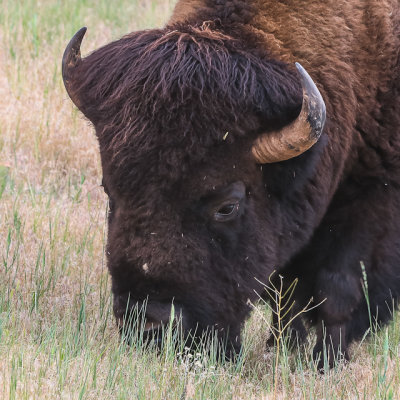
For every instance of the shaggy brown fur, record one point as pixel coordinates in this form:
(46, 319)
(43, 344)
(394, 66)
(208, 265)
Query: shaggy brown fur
(176, 111)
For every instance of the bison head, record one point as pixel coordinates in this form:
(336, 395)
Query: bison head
(193, 124)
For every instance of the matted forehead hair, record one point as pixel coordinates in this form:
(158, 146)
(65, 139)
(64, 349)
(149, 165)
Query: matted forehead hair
(182, 87)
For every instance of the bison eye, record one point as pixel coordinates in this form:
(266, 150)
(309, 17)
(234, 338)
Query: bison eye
(226, 212)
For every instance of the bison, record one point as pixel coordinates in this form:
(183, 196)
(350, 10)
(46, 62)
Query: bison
(223, 162)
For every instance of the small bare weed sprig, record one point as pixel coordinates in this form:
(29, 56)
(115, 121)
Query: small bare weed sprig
(281, 305)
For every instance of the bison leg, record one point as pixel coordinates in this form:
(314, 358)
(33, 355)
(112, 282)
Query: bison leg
(358, 230)
(339, 293)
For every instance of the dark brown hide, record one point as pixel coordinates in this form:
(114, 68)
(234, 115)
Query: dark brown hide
(176, 111)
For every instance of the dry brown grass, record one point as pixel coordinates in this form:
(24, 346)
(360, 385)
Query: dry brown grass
(57, 335)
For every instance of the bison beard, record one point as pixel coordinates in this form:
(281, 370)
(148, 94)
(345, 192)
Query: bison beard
(205, 148)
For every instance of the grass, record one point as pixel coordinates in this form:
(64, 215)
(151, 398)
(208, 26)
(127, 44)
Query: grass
(58, 339)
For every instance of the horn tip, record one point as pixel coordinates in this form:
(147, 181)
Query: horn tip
(72, 52)
(71, 59)
(78, 37)
(81, 32)
(299, 67)
(315, 105)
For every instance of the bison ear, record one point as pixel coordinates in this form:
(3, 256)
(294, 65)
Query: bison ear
(297, 137)
(70, 63)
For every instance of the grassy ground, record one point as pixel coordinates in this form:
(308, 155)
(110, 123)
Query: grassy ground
(57, 335)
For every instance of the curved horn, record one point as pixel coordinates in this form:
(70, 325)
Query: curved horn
(297, 137)
(71, 59)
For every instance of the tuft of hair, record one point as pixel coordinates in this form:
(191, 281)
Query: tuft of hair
(186, 83)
